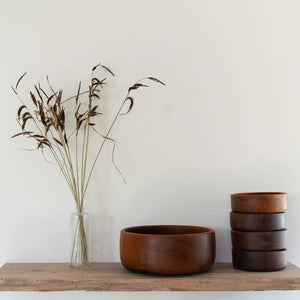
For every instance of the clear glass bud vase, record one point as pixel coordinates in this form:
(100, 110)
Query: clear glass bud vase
(80, 237)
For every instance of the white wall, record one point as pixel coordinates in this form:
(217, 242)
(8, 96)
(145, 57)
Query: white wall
(227, 121)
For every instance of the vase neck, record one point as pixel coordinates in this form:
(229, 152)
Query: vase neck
(79, 210)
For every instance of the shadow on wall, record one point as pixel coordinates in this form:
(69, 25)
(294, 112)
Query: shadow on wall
(102, 243)
(103, 221)
(201, 196)
(190, 196)
(185, 197)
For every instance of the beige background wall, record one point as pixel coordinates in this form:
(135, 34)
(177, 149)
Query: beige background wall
(227, 121)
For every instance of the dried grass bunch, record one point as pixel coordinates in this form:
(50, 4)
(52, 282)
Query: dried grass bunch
(43, 119)
(51, 131)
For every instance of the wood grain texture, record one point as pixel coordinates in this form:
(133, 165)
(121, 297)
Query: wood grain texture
(259, 241)
(113, 277)
(259, 202)
(257, 222)
(168, 249)
(259, 260)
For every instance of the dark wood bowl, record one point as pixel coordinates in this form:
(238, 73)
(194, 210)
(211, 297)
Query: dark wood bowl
(259, 260)
(167, 249)
(257, 222)
(259, 202)
(259, 241)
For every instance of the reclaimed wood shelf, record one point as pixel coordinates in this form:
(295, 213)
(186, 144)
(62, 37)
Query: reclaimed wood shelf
(113, 277)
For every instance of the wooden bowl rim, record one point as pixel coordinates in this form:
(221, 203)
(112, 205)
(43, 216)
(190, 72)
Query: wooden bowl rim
(205, 230)
(258, 193)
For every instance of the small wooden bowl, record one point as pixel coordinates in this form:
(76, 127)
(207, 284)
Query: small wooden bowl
(257, 222)
(167, 249)
(259, 202)
(259, 241)
(259, 260)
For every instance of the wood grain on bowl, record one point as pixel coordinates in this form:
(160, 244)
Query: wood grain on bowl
(167, 249)
(259, 241)
(259, 202)
(259, 260)
(257, 222)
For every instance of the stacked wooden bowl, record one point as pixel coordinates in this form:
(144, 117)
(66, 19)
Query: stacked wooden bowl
(258, 232)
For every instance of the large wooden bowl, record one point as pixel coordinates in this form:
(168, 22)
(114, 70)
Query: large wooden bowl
(167, 249)
(257, 222)
(259, 202)
(259, 241)
(259, 260)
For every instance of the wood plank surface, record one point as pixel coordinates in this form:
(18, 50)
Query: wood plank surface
(113, 277)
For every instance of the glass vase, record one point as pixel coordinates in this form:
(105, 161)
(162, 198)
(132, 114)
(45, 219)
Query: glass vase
(80, 237)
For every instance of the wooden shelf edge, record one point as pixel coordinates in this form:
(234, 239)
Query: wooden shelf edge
(113, 277)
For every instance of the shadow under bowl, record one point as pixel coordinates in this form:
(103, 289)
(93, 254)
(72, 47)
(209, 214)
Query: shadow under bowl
(259, 202)
(167, 249)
